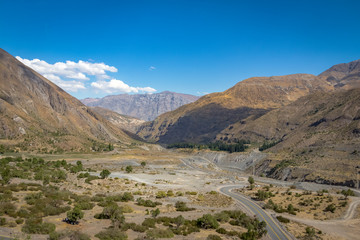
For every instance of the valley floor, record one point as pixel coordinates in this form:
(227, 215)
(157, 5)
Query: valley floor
(192, 180)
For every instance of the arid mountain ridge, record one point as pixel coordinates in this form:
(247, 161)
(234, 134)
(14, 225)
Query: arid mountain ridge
(143, 106)
(35, 114)
(315, 121)
(204, 119)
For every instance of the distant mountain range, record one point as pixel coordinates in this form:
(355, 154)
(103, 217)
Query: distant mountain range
(37, 115)
(143, 106)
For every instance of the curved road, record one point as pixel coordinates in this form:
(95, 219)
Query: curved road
(275, 232)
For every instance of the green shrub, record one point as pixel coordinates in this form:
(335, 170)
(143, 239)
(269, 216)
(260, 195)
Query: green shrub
(159, 233)
(2, 221)
(330, 208)
(111, 234)
(36, 226)
(207, 221)
(181, 207)
(129, 169)
(222, 216)
(161, 194)
(282, 219)
(149, 222)
(104, 173)
(19, 221)
(75, 214)
(213, 237)
(147, 203)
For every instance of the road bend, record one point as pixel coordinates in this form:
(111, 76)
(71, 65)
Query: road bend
(274, 231)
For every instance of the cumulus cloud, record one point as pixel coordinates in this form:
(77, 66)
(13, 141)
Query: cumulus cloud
(68, 75)
(115, 85)
(73, 70)
(152, 68)
(71, 75)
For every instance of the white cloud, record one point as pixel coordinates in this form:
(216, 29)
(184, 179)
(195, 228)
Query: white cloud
(73, 70)
(115, 85)
(68, 75)
(71, 75)
(152, 68)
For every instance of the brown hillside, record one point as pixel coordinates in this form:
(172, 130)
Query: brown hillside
(35, 114)
(202, 120)
(319, 136)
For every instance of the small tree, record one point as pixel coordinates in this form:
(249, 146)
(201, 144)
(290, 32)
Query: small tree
(75, 214)
(129, 169)
(155, 213)
(105, 173)
(347, 193)
(251, 180)
(143, 164)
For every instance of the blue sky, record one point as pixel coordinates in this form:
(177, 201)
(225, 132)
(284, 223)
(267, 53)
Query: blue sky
(193, 46)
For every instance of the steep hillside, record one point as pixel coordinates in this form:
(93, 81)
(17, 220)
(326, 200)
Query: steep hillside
(127, 123)
(143, 106)
(35, 114)
(318, 135)
(202, 120)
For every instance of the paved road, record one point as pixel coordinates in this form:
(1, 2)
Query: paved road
(275, 232)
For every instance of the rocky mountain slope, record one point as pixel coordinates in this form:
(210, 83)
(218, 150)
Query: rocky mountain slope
(35, 114)
(202, 120)
(344, 75)
(143, 106)
(318, 135)
(124, 122)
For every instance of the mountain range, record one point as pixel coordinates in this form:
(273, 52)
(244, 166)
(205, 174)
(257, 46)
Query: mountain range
(312, 122)
(143, 106)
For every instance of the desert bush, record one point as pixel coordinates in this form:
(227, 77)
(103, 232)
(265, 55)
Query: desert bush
(147, 203)
(222, 216)
(282, 219)
(207, 221)
(37, 226)
(111, 234)
(126, 209)
(159, 233)
(330, 208)
(8, 208)
(161, 194)
(75, 214)
(19, 221)
(181, 207)
(2, 221)
(149, 222)
(104, 173)
(213, 237)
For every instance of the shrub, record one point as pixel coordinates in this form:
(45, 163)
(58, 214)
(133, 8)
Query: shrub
(161, 194)
(330, 208)
(2, 221)
(181, 207)
(19, 221)
(222, 216)
(36, 226)
(207, 221)
(159, 233)
(75, 214)
(111, 234)
(147, 203)
(282, 219)
(149, 222)
(104, 173)
(129, 169)
(213, 237)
